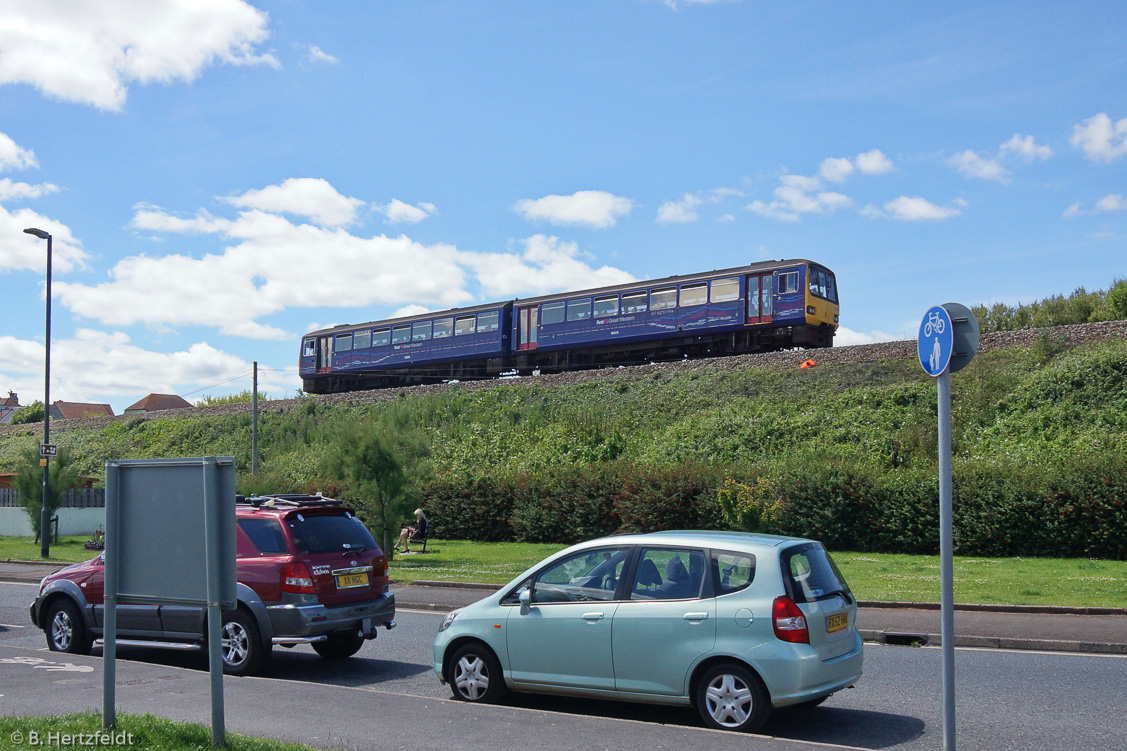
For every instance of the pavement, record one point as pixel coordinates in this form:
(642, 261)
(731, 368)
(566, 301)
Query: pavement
(1044, 628)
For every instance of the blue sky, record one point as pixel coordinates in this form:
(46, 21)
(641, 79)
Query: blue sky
(222, 176)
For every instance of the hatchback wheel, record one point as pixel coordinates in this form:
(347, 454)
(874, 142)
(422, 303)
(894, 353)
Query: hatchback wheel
(243, 651)
(475, 674)
(66, 631)
(731, 697)
(339, 645)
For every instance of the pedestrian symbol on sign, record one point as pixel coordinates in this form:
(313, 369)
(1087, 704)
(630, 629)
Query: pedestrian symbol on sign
(935, 341)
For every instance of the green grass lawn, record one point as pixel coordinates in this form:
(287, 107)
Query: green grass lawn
(1078, 582)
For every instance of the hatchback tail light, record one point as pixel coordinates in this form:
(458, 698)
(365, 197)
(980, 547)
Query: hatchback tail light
(788, 621)
(297, 579)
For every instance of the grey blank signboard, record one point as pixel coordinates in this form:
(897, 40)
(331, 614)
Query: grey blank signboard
(157, 527)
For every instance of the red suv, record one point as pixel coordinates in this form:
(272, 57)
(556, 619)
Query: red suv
(309, 572)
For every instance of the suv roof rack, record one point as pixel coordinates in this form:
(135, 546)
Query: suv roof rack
(286, 499)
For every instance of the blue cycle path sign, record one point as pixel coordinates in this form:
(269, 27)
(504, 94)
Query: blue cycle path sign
(936, 341)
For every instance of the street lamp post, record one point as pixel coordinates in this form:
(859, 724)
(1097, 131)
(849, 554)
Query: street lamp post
(44, 513)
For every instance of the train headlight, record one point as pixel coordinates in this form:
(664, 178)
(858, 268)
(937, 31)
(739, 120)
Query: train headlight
(810, 310)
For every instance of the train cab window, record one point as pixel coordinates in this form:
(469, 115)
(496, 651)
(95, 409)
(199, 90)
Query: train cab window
(381, 337)
(661, 299)
(420, 331)
(309, 348)
(822, 284)
(488, 321)
(401, 335)
(831, 287)
(635, 302)
(606, 306)
(724, 290)
(579, 310)
(465, 325)
(552, 312)
(362, 339)
(443, 328)
(342, 343)
(788, 282)
(694, 294)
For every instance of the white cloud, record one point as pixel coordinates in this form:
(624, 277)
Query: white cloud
(589, 208)
(836, 169)
(1112, 202)
(317, 55)
(9, 189)
(90, 53)
(873, 163)
(397, 211)
(310, 197)
(682, 210)
(1100, 139)
(12, 155)
(27, 253)
(847, 337)
(971, 164)
(1025, 147)
(799, 195)
(914, 209)
(547, 264)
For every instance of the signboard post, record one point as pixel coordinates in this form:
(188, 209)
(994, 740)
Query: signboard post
(948, 339)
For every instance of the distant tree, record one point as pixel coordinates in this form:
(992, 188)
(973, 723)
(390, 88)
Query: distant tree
(62, 475)
(239, 398)
(28, 413)
(1079, 307)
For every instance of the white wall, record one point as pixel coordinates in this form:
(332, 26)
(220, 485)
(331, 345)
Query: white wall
(72, 521)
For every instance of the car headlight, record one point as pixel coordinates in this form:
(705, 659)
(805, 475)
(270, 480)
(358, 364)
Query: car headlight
(448, 620)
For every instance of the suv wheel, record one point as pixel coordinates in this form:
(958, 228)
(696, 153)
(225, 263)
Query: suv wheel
(474, 674)
(731, 697)
(243, 651)
(339, 645)
(66, 631)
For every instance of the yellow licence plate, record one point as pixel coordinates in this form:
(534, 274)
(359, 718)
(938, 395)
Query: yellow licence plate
(837, 622)
(344, 581)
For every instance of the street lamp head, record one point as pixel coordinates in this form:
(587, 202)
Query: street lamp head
(38, 233)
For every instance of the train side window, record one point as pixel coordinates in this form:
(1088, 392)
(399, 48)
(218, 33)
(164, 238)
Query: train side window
(606, 306)
(831, 287)
(401, 335)
(661, 299)
(342, 343)
(552, 312)
(443, 328)
(465, 325)
(362, 339)
(635, 302)
(724, 290)
(788, 282)
(310, 348)
(488, 321)
(381, 337)
(420, 331)
(579, 310)
(694, 294)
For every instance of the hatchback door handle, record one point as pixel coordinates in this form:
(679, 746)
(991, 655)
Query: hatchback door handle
(592, 617)
(696, 616)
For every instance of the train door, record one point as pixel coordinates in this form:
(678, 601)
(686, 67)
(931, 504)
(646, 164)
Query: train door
(527, 319)
(760, 302)
(325, 354)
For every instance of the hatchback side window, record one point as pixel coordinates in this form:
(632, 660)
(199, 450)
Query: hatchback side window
(265, 534)
(732, 571)
(590, 575)
(668, 574)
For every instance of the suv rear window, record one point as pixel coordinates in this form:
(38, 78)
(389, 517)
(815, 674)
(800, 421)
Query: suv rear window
(266, 534)
(810, 574)
(323, 533)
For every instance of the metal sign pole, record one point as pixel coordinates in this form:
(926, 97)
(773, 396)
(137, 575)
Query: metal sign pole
(214, 606)
(946, 562)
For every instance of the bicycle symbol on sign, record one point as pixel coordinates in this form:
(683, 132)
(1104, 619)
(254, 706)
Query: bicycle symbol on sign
(934, 323)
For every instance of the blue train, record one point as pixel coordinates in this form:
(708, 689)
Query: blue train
(757, 308)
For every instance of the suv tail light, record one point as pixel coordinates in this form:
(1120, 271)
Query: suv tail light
(297, 579)
(788, 621)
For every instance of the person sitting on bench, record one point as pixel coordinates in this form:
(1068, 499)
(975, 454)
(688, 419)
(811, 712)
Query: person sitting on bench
(414, 533)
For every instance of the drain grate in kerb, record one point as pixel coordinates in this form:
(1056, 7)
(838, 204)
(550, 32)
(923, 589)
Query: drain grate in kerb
(904, 638)
(131, 683)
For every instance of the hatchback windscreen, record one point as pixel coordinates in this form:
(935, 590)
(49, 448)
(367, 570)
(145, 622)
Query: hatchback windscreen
(811, 575)
(318, 533)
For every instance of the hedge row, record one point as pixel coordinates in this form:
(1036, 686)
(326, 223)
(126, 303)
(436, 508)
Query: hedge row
(999, 510)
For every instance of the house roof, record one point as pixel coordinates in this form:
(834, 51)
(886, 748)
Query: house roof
(75, 410)
(157, 402)
(11, 400)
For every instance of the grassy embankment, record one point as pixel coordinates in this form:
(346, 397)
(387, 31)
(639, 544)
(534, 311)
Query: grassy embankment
(142, 731)
(873, 576)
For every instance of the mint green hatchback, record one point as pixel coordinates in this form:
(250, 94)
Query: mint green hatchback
(731, 623)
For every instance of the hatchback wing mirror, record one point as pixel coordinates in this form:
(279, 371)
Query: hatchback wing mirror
(525, 601)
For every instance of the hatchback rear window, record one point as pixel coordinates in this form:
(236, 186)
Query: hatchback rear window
(320, 533)
(810, 574)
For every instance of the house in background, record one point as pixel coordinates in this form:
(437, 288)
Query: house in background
(8, 407)
(76, 410)
(156, 403)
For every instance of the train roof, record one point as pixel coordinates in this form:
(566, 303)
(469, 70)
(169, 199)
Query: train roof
(473, 309)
